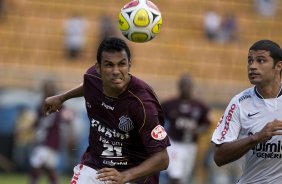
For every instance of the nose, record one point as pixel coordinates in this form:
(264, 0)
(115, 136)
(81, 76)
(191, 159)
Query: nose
(252, 65)
(116, 69)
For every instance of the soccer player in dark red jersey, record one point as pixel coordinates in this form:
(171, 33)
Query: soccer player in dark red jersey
(45, 155)
(127, 141)
(187, 118)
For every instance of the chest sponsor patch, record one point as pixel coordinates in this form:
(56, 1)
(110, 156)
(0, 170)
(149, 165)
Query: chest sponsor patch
(158, 133)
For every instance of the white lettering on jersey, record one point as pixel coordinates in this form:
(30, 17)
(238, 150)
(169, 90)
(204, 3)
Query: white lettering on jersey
(107, 106)
(108, 132)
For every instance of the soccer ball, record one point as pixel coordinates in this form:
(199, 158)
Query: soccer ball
(140, 20)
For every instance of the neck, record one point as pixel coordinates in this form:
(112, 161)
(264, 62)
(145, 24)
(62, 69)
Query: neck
(185, 97)
(113, 93)
(269, 91)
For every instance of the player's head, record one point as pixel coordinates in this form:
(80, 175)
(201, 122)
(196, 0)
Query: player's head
(185, 86)
(112, 44)
(49, 88)
(264, 62)
(273, 48)
(113, 64)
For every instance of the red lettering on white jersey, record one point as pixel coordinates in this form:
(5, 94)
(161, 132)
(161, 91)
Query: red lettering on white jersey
(227, 122)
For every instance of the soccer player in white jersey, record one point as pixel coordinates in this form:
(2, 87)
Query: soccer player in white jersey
(251, 127)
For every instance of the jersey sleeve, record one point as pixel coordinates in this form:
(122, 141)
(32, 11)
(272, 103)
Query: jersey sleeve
(151, 121)
(228, 128)
(92, 71)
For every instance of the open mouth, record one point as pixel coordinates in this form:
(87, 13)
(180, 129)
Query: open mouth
(253, 75)
(117, 81)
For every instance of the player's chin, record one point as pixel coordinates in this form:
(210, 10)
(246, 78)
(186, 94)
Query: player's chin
(254, 81)
(118, 87)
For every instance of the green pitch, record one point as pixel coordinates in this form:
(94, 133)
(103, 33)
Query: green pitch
(24, 179)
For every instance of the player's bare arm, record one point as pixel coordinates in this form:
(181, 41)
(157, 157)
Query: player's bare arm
(157, 162)
(229, 152)
(54, 103)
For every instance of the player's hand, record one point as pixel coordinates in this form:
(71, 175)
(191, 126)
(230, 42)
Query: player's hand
(52, 104)
(271, 129)
(110, 176)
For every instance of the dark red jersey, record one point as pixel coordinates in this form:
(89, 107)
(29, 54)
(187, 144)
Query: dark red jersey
(183, 116)
(124, 131)
(48, 128)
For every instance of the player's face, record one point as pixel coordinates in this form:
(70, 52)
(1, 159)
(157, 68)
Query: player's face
(114, 70)
(261, 69)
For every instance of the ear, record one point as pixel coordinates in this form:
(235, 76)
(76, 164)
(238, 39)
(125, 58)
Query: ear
(129, 65)
(279, 65)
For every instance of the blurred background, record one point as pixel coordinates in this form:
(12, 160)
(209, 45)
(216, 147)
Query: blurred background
(57, 40)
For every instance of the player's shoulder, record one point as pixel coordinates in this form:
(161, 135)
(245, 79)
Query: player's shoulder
(140, 88)
(91, 71)
(139, 85)
(244, 95)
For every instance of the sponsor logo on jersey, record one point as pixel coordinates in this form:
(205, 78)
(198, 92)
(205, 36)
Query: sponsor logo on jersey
(75, 176)
(252, 114)
(227, 122)
(158, 133)
(125, 124)
(268, 149)
(107, 106)
(107, 131)
(114, 163)
(244, 97)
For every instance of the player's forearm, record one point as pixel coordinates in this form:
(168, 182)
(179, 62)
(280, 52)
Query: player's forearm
(154, 164)
(73, 93)
(229, 152)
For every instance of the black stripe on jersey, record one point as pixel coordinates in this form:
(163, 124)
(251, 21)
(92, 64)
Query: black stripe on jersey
(257, 93)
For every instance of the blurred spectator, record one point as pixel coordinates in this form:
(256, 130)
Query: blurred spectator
(12, 103)
(187, 118)
(228, 29)
(212, 23)
(48, 133)
(266, 8)
(75, 33)
(107, 27)
(8, 116)
(23, 136)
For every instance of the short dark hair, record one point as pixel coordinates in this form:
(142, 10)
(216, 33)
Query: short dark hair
(112, 44)
(271, 46)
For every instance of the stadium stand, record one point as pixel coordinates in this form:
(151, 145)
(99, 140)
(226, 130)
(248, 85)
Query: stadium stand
(32, 44)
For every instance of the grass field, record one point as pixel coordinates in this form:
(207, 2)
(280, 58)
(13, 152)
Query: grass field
(13, 178)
